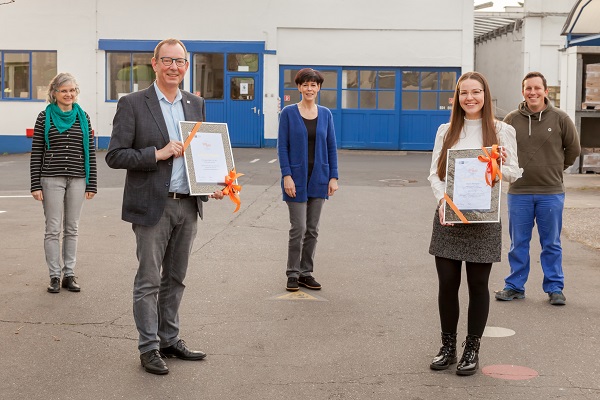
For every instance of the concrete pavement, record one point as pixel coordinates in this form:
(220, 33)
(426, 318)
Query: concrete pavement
(370, 333)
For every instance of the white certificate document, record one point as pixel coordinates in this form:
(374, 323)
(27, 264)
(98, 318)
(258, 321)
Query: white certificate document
(210, 165)
(471, 192)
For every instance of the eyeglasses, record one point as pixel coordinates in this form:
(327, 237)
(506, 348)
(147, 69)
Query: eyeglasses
(476, 92)
(67, 91)
(167, 61)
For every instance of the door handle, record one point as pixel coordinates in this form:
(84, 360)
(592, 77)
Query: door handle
(254, 110)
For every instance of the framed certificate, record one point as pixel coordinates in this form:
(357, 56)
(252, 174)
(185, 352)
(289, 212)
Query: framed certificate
(468, 189)
(208, 156)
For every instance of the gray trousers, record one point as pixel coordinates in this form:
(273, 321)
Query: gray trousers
(304, 221)
(157, 293)
(63, 201)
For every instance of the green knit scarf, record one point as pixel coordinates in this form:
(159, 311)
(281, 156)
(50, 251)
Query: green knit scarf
(63, 121)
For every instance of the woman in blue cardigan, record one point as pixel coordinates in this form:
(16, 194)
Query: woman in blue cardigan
(308, 159)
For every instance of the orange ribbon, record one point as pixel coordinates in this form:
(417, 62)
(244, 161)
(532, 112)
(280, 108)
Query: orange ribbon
(232, 190)
(192, 134)
(460, 215)
(492, 168)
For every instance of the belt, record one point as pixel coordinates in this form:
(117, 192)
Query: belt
(176, 196)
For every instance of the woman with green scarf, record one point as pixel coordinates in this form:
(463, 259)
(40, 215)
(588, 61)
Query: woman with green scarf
(63, 174)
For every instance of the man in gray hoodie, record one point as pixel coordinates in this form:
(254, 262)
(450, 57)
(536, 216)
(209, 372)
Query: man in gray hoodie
(547, 144)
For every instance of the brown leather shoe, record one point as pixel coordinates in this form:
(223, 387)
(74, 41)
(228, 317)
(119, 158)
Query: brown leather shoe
(70, 284)
(180, 350)
(152, 363)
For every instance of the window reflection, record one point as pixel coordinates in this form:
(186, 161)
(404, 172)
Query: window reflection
(429, 80)
(43, 65)
(447, 80)
(208, 75)
(410, 100)
(410, 80)
(241, 88)
(368, 99)
(16, 75)
(428, 100)
(242, 62)
(387, 80)
(328, 98)
(386, 100)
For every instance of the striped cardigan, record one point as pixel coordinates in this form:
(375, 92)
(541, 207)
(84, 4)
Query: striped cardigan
(65, 156)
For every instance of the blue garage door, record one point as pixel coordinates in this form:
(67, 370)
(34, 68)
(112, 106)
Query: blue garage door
(381, 108)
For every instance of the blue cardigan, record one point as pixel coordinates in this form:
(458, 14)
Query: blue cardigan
(292, 151)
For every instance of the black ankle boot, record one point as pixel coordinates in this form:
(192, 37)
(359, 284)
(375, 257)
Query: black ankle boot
(447, 354)
(469, 362)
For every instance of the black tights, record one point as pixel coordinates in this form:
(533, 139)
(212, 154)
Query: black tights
(449, 274)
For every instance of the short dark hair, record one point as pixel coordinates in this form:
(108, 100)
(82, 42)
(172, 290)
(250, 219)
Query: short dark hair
(309, 75)
(534, 74)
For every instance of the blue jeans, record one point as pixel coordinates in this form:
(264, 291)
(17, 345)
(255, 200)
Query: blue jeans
(63, 201)
(524, 210)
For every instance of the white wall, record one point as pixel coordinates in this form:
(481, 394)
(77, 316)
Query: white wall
(314, 32)
(536, 47)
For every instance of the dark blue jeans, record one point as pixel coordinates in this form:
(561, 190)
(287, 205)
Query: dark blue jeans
(524, 211)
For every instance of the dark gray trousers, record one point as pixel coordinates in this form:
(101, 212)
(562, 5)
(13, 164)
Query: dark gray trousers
(304, 221)
(157, 293)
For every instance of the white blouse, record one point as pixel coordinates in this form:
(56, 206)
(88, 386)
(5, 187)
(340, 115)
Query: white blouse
(471, 138)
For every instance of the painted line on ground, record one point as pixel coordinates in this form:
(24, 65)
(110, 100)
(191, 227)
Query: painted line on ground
(272, 161)
(14, 197)
(255, 160)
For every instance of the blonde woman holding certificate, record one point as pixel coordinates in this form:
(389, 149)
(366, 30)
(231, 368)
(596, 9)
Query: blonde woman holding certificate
(472, 125)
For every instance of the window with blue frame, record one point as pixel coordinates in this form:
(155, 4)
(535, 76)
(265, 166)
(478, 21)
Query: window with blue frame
(369, 89)
(127, 72)
(327, 95)
(25, 75)
(427, 90)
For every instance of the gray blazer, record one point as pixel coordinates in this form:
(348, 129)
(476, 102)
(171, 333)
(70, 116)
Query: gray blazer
(138, 129)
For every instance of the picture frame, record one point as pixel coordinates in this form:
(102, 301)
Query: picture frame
(467, 188)
(208, 156)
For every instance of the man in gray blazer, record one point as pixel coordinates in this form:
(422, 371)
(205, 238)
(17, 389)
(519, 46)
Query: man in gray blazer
(146, 142)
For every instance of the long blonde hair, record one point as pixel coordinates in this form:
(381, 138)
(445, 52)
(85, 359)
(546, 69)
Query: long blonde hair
(457, 120)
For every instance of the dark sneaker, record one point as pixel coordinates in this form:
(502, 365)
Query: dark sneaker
(292, 285)
(309, 282)
(557, 298)
(54, 286)
(509, 294)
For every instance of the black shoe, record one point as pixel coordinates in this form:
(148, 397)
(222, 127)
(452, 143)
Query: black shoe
(469, 362)
(70, 284)
(152, 363)
(309, 282)
(180, 350)
(557, 298)
(509, 294)
(292, 285)
(54, 286)
(447, 353)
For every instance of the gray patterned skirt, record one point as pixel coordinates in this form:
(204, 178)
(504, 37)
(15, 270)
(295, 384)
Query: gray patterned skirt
(477, 243)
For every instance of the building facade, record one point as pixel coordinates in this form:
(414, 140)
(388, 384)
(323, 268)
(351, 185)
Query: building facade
(390, 66)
